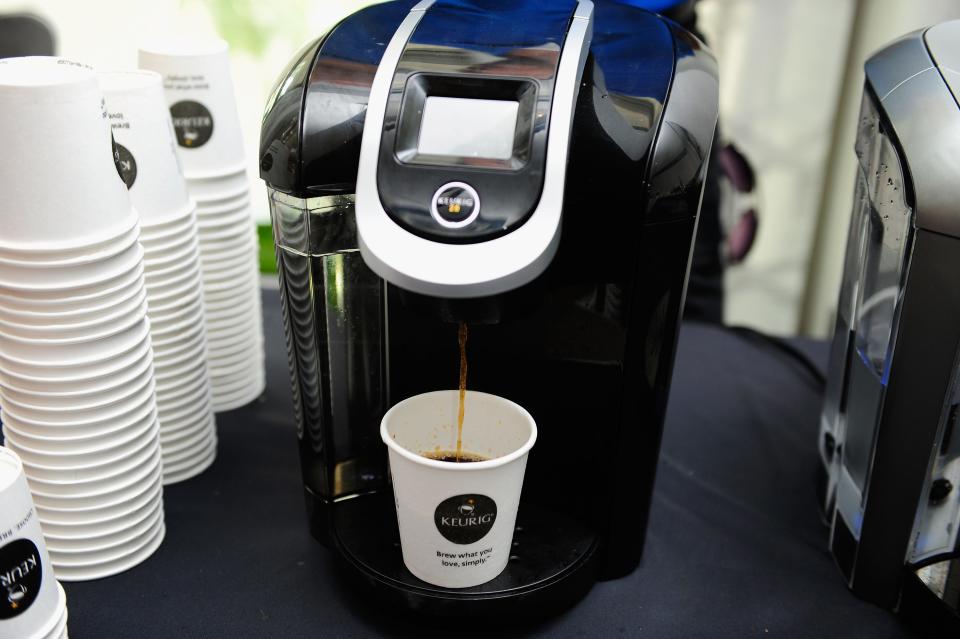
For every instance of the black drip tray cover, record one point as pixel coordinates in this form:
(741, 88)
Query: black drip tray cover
(549, 548)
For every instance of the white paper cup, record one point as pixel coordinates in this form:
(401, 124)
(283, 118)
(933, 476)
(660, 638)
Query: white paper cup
(79, 301)
(76, 341)
(96, 469)
(94, 489)
(79, 377)
(187, 412)
(229, 199)
(223, 402)
(122, 314)
(141, 125)
(158, 259)
(170, 361)
(456, 520)
(26, 280)
(246, 287)
(114, 412)
(43, 317)
(56, 626)
(41, 283)
(172, 273)
(79, 387)
(220, 189)
(185, 303)
(69, 440)
(225, 207)
(167, 245)
(177, 228)
(189, 422)
(200, 95)
(53, 118)
(124, 491)
(32, 599)
(97, 406)
(174, 441)
(192, 399)
(91, 451)
(186, 443)
(192, 375)
(92, 558)
(186, 284)
(73, 399)
(90, 546)
(103, 569)
(202, 457)
(106, 250)
(163, 317)
(32, 354)
(165, 329)
(236, 272)
(89, 524)
(218, 220)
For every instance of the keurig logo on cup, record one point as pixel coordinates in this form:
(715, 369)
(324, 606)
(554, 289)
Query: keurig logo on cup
(126, 165)
(20, 576)
(192, 123)
(465, 519)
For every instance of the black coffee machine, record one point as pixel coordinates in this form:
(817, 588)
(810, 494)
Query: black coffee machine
(420, 159)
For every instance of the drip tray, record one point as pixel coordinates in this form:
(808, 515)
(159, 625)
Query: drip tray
(552, 563)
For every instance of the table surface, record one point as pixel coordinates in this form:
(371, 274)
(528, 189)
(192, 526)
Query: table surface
(735, 548)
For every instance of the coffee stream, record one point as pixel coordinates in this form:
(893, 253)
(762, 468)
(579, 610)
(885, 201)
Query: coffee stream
(462, 341)
(458, 456)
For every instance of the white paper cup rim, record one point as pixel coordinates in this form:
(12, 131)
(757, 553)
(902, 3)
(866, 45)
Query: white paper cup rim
(56, 72)
(454, 466)
(171, 46)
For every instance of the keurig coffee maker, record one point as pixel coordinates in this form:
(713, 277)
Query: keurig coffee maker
(889, 446)
(533, 168)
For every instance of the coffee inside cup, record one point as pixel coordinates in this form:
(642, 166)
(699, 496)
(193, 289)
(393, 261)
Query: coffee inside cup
(464, 457)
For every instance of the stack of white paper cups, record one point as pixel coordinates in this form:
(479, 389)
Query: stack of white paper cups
(200, 96)
(148, 164)
(76, 364)
(32, 603)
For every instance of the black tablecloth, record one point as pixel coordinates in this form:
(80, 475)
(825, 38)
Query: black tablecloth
(735, 548)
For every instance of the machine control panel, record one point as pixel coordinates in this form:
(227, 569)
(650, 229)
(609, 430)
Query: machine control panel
(465, 108)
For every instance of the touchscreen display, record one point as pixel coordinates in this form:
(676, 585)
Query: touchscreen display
(467, 128)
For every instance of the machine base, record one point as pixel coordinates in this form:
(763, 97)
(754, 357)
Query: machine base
(552, 566)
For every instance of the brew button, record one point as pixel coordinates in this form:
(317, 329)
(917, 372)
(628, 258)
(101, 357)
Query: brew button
(455, 205)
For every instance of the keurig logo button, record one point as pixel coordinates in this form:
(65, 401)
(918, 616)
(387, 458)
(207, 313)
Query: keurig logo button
(465, 519)
(455, 205)
(192, 123)
(20, 577)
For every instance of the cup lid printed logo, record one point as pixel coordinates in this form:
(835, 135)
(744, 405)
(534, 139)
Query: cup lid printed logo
(465, 519)
(192, 123)
(20, 577)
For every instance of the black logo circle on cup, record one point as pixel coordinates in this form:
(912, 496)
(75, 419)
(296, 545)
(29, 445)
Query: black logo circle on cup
(192, 123)
(465, 519)
(126, 164)
(455, 205)
(20, 577)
